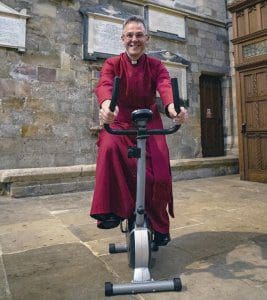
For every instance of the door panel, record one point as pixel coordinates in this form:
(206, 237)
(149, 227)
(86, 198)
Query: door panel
(211, 116)
(254, 107)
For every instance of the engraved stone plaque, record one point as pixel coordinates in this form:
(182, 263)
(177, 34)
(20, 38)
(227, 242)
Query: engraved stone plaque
(159, 23)
(102, 31)
(104, 34)
(176, 65)
(12, 27)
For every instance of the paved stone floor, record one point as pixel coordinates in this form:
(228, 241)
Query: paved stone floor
(51, 249)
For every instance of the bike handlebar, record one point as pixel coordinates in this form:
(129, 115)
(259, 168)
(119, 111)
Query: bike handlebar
(115, 92)
(163, 131)
(175, 92)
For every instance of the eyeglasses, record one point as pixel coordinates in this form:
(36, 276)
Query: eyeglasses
(138, 35)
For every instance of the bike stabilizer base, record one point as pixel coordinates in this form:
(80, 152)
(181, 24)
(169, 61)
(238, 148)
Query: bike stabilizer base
(143, 287)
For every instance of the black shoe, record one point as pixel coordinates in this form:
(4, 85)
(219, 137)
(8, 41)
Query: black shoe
(161, 239)
(110, 222)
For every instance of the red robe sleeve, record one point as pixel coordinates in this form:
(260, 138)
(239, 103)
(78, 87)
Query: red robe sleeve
(164, 85)
(104, 87)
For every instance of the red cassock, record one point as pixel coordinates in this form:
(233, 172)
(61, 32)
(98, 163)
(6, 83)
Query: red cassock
(115, 185)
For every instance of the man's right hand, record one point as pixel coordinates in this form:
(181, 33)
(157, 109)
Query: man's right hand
(106, 116)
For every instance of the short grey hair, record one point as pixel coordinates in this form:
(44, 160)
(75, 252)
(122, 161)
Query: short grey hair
(135, 19)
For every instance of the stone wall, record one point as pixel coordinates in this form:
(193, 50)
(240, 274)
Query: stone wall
(45, 92)
(47, 107)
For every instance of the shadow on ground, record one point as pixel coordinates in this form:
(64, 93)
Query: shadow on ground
(226, 255)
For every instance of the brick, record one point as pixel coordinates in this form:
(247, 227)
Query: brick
(9, 146)
(64, 60)
(193, 31)
(7, 87)
(4, 117)
(4, 70)
(22, 89)
(2, 53)
(25, 72)
(32, 146)
(45, 10)
(43, 117)
(33, 104)
(29, 130)
(47, 75)
(9, 131)
(7, 163)
(13, 104)
(83, 79)
(46, 130)
(65, 75)
(51, 60)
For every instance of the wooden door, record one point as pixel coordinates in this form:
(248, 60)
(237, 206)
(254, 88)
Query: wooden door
(211, 116)
(250, 56)
(254, 123)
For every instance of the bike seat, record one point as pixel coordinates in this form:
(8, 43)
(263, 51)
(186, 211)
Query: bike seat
(143, 114)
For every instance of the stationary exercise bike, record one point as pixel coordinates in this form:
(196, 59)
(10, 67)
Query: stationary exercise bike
(139, 237)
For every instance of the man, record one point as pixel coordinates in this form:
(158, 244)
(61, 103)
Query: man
(115, 188)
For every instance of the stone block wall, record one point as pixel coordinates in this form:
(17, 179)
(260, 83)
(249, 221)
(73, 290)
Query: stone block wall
(45, 93)
(47, 105)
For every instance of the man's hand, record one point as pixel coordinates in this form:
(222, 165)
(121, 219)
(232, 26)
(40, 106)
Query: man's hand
(106, 116)
(181, 117)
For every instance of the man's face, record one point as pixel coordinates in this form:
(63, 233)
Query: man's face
(134, 39)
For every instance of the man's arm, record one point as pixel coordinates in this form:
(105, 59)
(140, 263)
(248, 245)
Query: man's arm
(165, 89)
(104, 92)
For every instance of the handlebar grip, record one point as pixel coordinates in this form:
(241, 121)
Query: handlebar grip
(175, 92)
(115, 92)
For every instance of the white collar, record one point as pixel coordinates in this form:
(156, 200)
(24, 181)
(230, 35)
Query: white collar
(133, 61)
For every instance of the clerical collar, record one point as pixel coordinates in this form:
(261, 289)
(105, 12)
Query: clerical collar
(133, 61)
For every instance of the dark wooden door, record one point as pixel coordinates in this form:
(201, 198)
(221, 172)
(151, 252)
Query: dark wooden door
(211, 116)
(254, 123)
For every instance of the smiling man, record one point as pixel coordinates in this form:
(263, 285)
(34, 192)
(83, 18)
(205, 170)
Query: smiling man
(134, 38)
(115, 186)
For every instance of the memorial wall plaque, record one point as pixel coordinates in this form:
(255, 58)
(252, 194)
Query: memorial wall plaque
(12, 28)
(159, 23)
(102, 32)
(176, 66)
